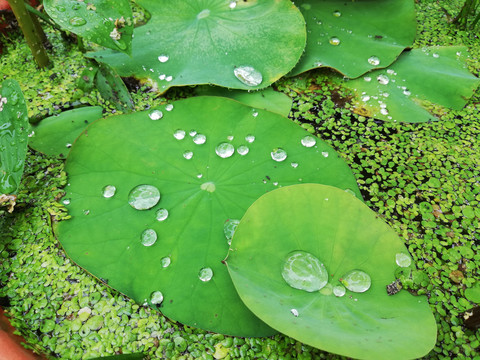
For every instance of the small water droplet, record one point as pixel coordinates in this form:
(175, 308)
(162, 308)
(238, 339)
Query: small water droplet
(162, 214)
(383, 111)
(250, 138)
(86, 212)
(337, 13)
(162, 76)
(334, 41)
(225, 150)
(149, 237)
(356, 281)
(208, 186)
(108, 191)
(383, 79)
(435, 55)
(199, 176)
(248, 75)
(325, 154)
(365, 98)
(294, 165)
(406, 92)
(179, 134)
(155, 115)
(374, 60)
(165, 261)
(232, 4)
(255, 113)
(243, 150)
(192, 133)
(77, 21)
(156, 298)
(339, 290)
(278, 154)
(304, 271)
(163, 58)
(188, 154)
(229, 229)
(294, 312)
(60, 8)
(169, 78)
(367, 78)
(169, 107)
(144, 197)
(308, 141)
(203, 14)
(66, 201)
(199, 139)
(205, 274)
(403, 260)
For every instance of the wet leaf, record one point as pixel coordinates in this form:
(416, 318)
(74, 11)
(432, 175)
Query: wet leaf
(356, 36)
(345, 236)
(235, 44)
(14, 128)
(55, 135)
(105, 22)
(149, 206)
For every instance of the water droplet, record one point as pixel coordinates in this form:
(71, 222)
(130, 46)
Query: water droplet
(179, 134)
(162, 76)
(356, 281)
(225, 150)
(365, 98)
(373, 60)
(144, 197)
(391, 72)
(334, 41)
(229, 229)
(278, 154)
(165, 261)
(76, 6)
(163, 58)
(188, 154)
(208, 186)
(232, 4)
(383, 79)
(367, 78)
(294, 312)
(203, 14)
(406, 92)
(155, 115)
(248, 75)
(86, 212)
(77, 21)
(205, 274)
(325, 154)
(192, 133)
(383, 111)
(162, 214)
(304, 271)
(403, 260)
(339, 290)
(7, 184)
(156, 298)
(199, 139)
(250, 138)
(169, 107)
(255, 113)
(435, 55)
(308, 141)
(351, 192)
(199, 176)
(294, 165)
(109, 191)
(60, 8)
(337, 13)
(169, 78)
(149, 237)
(243, 150)
(66, 201)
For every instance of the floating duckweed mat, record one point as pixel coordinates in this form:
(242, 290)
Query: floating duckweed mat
(153, 194)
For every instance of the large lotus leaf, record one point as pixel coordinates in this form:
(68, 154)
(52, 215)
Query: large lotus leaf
(354, 37)
(288, 234)
(235, 44)
(199, 189)
(14, 129)
(438, 75)
(55, 135)
(105, 22)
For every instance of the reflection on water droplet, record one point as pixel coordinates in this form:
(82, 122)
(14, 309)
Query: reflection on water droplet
(356, 281)
(294, 312)
(248, 75)
(162, 214)
(243, 150)
(155, 115)
(278, 154)
(334, 41)
(294, 165)
(165, 261)
(77, 21)
(304, 271)
(208, 186)
(169, 107)
(188, 154)
(308, 141)
(109, 191)
(149, 237)
(250, 138)
(203, 14)
(179, 134)
(156, 298)
(66, 201)
(337, 13)
(225, 150)
(403, 260)
(205, 274)
(339, 290)
(229, 229)
(383, 79)
(373, 60)
(144, 197)
(199, 139)
(163, 58)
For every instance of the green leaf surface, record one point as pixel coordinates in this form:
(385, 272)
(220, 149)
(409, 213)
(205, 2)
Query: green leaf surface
(340, 231)
(400, 92)
(199, 189)
(208, 41)
(14, 128)
(266, 99)
(105, 22)
(55, 135)
(354, 37)
(112, 88)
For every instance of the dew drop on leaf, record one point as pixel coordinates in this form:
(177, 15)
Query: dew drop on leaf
(248, 75)
(156, 298)
(188, 154)
(357, 281)
(149, 237)
(334, 41)
(109, 191)
(337, 13)
(339, 290)
(163, 58)
(77, 21)
(208, 186)
(162, 214)
(225, 150)
(169, 107)
(308, 141)
(144, 197)
(155, 115)
(229, 229)
(373, 60)
(165, 261)
(403, 260)
(66, 201)
(304, 271)
(383, 79)
(250, 138)
(199, 139)
(179, 134)
(278, 154)
(243, 150)
(294, 312)
(205, 274)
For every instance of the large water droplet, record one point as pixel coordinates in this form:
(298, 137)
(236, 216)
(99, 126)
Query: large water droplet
(109, 191)
(383, 79)
(374, 60)
(144, 197)
(203, 14)
(149, 237)
(229, 229)
(156, 298)
(205, 274)
(308, 141)
(163, 58)
(304, 271)
(179, 134)
(155, 115)
(208, 186)
(403, 260)
(166, 261)
(278, 154)
(334, 41)
(250, 138)
(339, 290)
(225, 150)
(162, 214)
(199, 139)
(248, 75)
(356, 281)
(77, 21)
(188, 154)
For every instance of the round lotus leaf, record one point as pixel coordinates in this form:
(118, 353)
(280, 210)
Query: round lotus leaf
(351, 314)
(209, 158)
